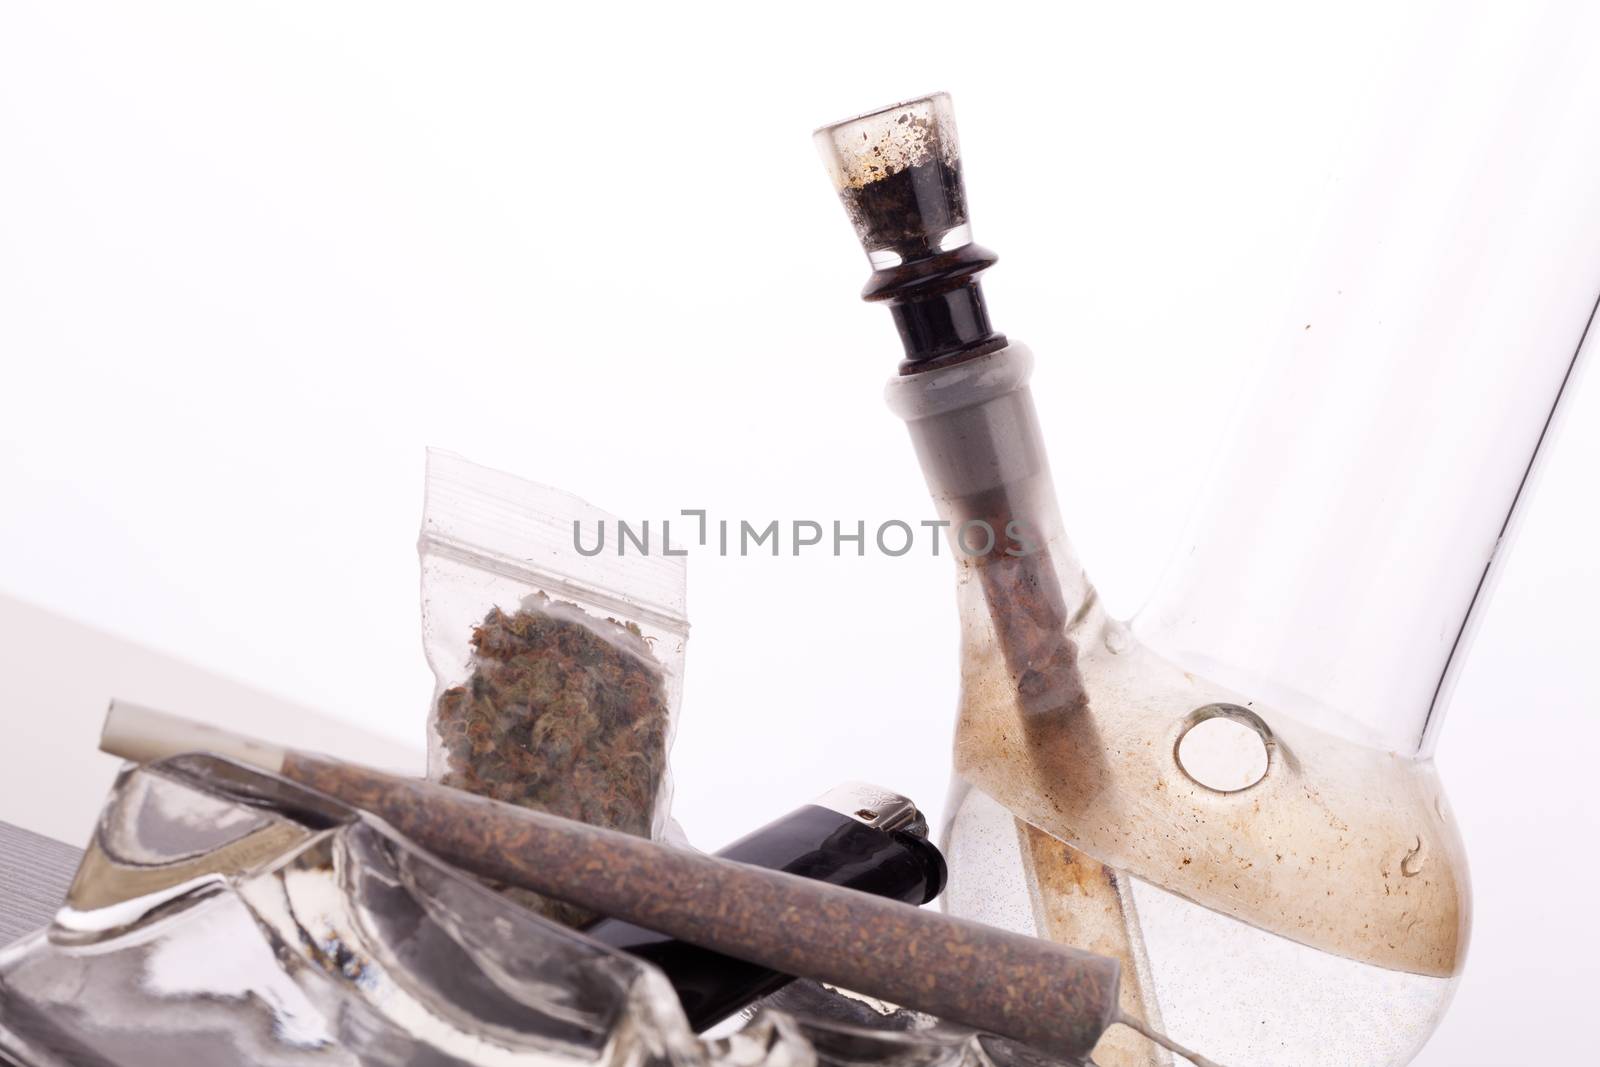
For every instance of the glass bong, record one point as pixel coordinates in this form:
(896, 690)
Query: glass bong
(1234, 793)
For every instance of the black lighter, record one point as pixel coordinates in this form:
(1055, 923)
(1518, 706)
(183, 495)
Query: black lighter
(857, 835)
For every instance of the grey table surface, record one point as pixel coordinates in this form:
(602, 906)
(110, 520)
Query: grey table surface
(35, 872)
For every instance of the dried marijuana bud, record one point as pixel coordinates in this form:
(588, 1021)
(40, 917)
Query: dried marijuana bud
(564, 712)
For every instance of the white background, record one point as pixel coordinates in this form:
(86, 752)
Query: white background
(254, 258)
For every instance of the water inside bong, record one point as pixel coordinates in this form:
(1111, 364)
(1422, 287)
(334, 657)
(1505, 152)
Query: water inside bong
(1247, 997)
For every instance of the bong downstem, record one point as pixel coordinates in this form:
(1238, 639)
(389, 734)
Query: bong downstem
(962, 392)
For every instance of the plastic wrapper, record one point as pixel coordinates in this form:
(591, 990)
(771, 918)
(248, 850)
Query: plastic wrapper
(556, 637)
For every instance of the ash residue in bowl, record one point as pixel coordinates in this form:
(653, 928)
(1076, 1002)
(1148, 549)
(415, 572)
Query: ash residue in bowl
(909, 209)
(898, 172)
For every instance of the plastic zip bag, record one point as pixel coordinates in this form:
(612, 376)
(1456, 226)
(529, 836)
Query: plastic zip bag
(558, 672)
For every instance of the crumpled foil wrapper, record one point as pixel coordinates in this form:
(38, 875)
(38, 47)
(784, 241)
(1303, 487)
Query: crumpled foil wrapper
(226, 916)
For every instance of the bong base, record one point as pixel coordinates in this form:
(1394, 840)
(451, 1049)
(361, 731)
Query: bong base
(1247, 997)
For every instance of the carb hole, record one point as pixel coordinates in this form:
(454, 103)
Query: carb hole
(1224, 748)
